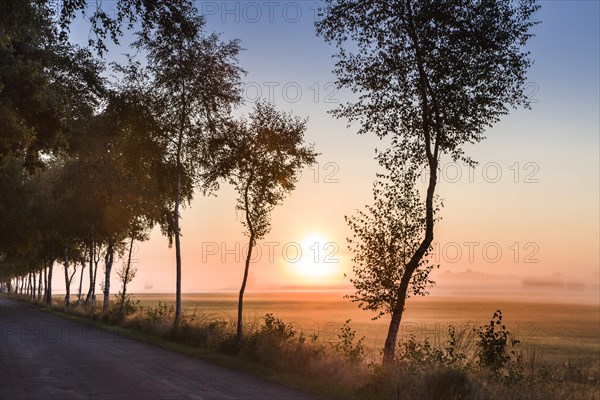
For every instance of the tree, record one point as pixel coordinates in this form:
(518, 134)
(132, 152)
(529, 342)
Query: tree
(265, 157)
(47, 85)
(191, 83)
(384, 237)
(435, 75)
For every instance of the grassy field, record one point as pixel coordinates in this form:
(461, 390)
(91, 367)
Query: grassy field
(547, 331)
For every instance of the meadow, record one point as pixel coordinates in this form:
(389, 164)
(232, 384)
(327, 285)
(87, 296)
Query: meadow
(554, 332)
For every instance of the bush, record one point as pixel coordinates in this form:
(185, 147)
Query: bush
(493, 349)
(268, 344)
(425, 355)
(116, 313)
(346, 347)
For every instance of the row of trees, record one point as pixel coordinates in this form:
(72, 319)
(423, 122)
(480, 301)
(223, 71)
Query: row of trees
(96, 163)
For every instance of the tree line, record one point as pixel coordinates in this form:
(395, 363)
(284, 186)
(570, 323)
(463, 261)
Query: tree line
(90, 165)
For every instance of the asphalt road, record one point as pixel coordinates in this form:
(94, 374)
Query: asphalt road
(43, 356)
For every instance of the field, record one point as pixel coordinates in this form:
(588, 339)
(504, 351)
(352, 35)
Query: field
(547, 331)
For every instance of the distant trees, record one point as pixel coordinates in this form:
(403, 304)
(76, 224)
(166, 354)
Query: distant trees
(435, 75)
(264, 156)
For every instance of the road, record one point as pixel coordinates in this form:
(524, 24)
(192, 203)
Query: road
(43, 356)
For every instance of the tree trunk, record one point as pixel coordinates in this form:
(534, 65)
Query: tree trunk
(390, 341)
(177, 254)
(428, 123)
(96, 261)
(29, 285)
(67, 281)
(34, 288)
(39, 289)
(180, 137)
(80, 281)
(248, 257)
(126, 277)
(49, 284)
(108, 261)
(32, 284)
(88, 297)
(243, 289)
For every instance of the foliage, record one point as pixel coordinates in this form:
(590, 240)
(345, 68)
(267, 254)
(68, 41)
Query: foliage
(123, 306)
(262, 158)
(189, 86)
(384, 238)
(48, 87)
(163, 311)
(424, 355)
(496, 348)
(434, 75)
(351, 349)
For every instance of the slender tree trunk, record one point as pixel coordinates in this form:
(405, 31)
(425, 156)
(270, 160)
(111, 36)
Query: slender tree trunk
(80, 281)
(67, 281)
(182, 119)
(108, 262)
(49, 284)
(88, 298)
(45, 269)
(126, 277)
(391, 339)
(29, 285)
(177, 254)
(96, 261)
(431, 134)
(34, 284)
(248, 257)
(243, 289)
(39, 289)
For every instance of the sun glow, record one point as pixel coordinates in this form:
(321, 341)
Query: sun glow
(315, 259)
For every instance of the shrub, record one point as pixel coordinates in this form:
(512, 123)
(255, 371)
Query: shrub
(116, 313)
(493, 349)
(346, 346)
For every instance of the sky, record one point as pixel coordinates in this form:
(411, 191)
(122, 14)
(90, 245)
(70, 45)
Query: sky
(527, 217)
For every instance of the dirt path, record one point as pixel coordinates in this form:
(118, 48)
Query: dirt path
(43, 356)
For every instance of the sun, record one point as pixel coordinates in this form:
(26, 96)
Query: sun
(315, 258)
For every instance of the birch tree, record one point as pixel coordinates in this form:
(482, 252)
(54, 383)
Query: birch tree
(434, 75)
(192, 81)
(266, 156)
